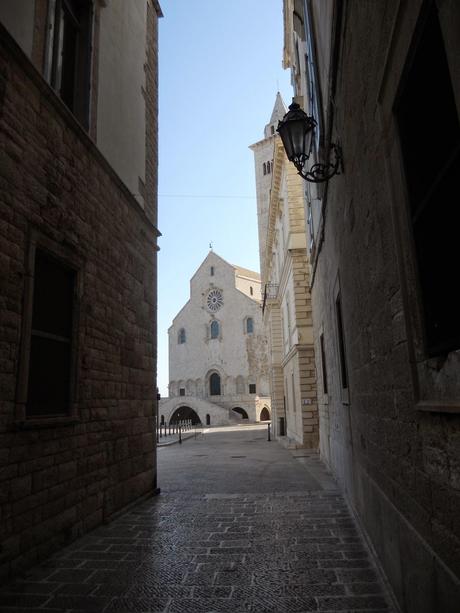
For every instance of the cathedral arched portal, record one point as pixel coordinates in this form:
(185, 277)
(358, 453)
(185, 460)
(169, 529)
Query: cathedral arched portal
(241, 412)
(264, 414)
(183, 413)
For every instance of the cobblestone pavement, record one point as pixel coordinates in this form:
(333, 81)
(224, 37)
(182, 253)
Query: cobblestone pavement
(241, 525)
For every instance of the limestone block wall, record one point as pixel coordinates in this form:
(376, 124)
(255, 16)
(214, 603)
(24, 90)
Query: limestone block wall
(121, 124)
(391, 435)
(288, 316)
(59, 479)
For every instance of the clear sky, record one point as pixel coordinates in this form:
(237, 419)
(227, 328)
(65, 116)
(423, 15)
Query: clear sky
(220, 69)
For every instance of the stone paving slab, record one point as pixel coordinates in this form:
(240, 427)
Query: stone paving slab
(190, 552)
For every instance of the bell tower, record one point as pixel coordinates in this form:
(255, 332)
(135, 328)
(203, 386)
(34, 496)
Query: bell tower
(263, 160)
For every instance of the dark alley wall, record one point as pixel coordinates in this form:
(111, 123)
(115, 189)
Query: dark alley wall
(391, 432)
(63, 475)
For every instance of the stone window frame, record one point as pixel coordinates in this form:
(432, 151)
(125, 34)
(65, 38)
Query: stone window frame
(209, 337)
(246, 325)
(434, 380)
(68, 257)
(294, 394)
(321, 352)
(423, 204)
(212, 372)
(84, 96)
(341, 342)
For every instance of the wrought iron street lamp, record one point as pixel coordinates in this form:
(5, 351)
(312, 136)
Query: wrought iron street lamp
(297, 131)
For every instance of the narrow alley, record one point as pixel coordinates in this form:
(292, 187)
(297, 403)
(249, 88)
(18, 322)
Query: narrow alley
(241, 524)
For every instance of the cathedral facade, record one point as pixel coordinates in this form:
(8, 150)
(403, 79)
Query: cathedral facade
(218, 366)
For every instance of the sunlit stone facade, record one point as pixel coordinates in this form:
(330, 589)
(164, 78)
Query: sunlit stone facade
(285, 281)
(217, 347)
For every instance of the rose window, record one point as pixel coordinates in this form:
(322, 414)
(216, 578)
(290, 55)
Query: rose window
(214, 300)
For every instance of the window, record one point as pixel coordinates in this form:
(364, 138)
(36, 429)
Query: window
(313, 87)
(50, 360)
(251, 290)
(323, 363)
(272, 129)
(214, 384)
(68, 63)
(293, 392)
(268, 168)
(212, 271)
(287, 320)
(431, 160)
(265, 168)
(311, 227)
(214, 329)
(249, 325)
(182, 391)
(343, 364)
(252, 388)
(181, 336)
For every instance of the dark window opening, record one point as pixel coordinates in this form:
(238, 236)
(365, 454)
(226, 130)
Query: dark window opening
(212, 271)
(252, 388)
(208, 419)
(265, 168)
(182, 391)
(215, 329)
(182, 337)
(251, 290)
(323, 363)
(431, 156)
(50, 361)
(249, 325)
(343, 364)
(70, 54)
(214, 384)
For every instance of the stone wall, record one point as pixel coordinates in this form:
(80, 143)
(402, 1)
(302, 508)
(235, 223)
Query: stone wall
(394, 451)
(59, 480)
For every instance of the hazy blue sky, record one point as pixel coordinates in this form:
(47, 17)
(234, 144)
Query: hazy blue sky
(220, 68)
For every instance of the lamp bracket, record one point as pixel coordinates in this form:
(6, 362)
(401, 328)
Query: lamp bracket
(320, 172)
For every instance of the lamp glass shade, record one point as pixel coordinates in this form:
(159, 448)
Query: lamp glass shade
(296, 131)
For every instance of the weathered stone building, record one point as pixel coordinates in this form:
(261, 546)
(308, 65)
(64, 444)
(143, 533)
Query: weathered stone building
(286, 290)
(382, 79)
(218, 369)
(78, 240)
